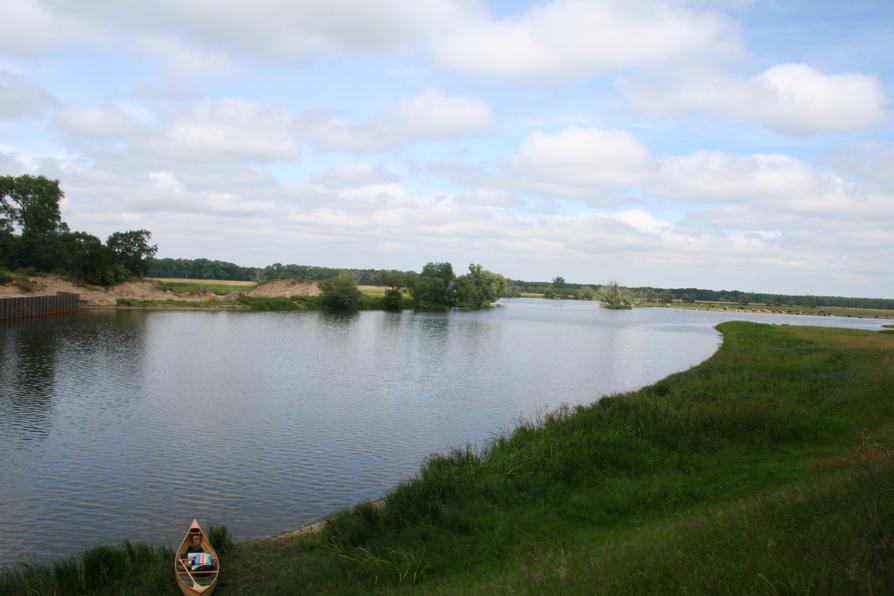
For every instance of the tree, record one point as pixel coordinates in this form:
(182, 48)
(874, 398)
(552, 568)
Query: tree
(613, 297)
(393, 298)
(31, 204)
(555, 289)
(84, 256)
(433, 288)
(132, 250)
(586, 293)
(479, 288)
(340, 294)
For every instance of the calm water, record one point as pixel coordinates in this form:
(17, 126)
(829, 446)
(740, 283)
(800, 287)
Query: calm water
(128, 424)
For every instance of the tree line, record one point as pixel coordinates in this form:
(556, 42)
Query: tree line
(34, 237)
(435, 288)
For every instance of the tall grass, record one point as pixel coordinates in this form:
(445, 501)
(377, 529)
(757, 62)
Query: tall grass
(748, 420)
(102, 569)
(221, 539)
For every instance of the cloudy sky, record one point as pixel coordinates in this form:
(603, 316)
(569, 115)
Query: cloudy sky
(719, 144)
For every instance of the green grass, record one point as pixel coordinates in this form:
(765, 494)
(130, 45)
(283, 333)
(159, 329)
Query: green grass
(255, 303)
(189, 288)
(181, 304)
(837, 311)
(99, 570)
(765, 470)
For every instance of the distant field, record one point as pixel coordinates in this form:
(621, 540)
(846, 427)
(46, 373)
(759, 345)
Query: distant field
(203, 282)
(221, 287)
(377, 291)
(837, 311)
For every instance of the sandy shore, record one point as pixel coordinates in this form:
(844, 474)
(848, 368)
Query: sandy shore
(149, 289)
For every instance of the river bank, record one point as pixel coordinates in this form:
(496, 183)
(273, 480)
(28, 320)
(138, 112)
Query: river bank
(718, 478)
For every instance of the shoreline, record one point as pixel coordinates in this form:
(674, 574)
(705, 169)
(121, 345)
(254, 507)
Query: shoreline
(882, 315)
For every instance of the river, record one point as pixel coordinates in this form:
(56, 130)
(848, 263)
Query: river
(127, 424)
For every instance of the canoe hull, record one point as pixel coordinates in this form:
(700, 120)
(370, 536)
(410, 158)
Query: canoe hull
(196, 582)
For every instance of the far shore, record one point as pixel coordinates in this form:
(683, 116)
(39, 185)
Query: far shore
(224, 295)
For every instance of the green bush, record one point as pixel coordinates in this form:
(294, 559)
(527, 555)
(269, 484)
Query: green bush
(392, 300)
(340, 294)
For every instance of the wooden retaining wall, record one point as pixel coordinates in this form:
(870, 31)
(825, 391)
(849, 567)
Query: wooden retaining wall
(26, 307)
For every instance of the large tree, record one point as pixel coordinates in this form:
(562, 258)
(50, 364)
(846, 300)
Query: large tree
(30, 204)
(132, 250)
(340, 294)
(433, 288)
(479, 288)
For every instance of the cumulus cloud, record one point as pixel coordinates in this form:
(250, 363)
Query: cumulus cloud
(231, 129)
(267, 31)
(789, 98)
(580, 162)
(98, 123)
(574, 39)
(714, 176)
(426, 117)
(20, 98)
(296, 30)
(184, 59)
(30, 27)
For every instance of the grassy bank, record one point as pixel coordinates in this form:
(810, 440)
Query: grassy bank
(820, 311)
(372, 298)
(767, 469)
(254, 303)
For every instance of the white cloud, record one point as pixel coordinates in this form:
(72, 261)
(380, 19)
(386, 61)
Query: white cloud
(28, 27)
(643, 221)
(429, 116)
(20, 98)
(184, 59)
(574, 39)
(231, 129)
(351, 175)
(789, 98)
(580, 162)
(712, 176)
(283, 30)
(101, 123)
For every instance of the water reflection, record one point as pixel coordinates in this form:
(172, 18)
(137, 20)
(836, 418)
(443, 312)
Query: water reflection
(27, 370)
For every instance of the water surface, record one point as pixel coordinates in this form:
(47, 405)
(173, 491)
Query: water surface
(127, 424)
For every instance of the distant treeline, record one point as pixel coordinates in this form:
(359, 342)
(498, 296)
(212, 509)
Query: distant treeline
(207, 269)
(694, 294)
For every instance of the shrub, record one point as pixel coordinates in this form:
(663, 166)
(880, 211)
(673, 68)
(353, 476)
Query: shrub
(340, 294)
(392, 300)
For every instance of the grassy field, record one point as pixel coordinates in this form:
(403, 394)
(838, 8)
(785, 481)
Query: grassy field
(793, 310)
(765, 470)
(221, 287)
(378, 291)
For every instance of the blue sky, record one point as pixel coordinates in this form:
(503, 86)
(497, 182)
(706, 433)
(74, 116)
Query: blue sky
(730, 145)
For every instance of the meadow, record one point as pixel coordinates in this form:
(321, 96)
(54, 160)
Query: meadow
(766, 469)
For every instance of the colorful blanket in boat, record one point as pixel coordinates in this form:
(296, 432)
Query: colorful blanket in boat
(199, 559)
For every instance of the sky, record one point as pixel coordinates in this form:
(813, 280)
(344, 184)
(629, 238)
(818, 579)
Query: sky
(727, 144)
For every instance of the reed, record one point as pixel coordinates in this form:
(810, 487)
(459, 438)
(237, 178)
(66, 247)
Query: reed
(101, 569)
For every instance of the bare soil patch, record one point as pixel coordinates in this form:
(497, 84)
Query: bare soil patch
(286, 288)
(92, 295)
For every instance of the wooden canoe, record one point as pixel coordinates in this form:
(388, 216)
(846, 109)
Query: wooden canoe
(200, 581)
